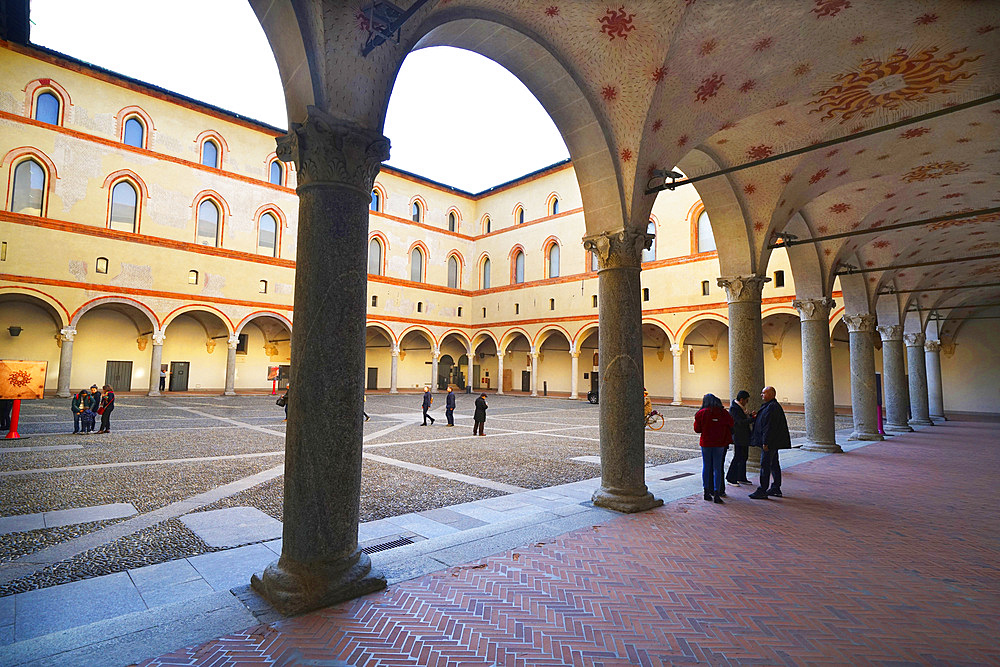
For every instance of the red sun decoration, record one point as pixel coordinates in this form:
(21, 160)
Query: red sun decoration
(552, 11)
(609, 93)
(759, 152)
(709, 87)
(830, 7)
(617, 24)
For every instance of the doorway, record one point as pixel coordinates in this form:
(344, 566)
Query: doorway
(118, 374)
(526, 381)
(179, 375)
(372, 383)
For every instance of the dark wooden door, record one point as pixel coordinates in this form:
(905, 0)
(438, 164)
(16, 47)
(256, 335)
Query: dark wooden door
(525, 380)
(119, 375)
(372, 379)
(179, 375)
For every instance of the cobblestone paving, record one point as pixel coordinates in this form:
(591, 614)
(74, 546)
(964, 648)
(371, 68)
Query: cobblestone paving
(531, 443)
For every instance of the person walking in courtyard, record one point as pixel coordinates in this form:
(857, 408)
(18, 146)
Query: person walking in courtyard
(741, 439)
(770, 433)
(163, 378)
(283, 400)
(479, 417)
(364, 399)
(428, 399)
(107, 406)
(716, 428)
(449, 407)
(80, 403)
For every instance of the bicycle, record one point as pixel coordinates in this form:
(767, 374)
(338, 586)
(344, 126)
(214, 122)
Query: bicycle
(654, 421)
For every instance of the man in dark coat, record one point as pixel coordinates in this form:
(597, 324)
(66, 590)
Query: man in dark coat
(428, 399)
(449, 407)
(770, 433)
(741, 439)
(479, 418)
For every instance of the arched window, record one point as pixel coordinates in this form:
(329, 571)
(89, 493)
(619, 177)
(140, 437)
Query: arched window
(102, 265)
(418, 213)
(376, 202)
(124, 209)
(452, 222)
(649, 254)
(417, 265)
(375, 257)
(519, 267)
(486, 225)
(29, 188)
(135, 133)
(192, 277)
(208, 223)
(47, 108)
(453, 272)
(276, 174)
(486, 273)
(262, 287)
(210, 154)
(267, 235)
(553, 261)
(706, 240)
(554, 209)
(519, 216)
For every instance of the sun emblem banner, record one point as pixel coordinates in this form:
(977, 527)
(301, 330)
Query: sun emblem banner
(22, 379)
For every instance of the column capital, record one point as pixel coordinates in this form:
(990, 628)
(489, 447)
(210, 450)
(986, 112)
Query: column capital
(814, 309)
(861, 323)
(743, 288)
(676, 350)
(436, 353)
(932, 346)
(158, 338)
(66, 335)
(618, 250)
(890, 332)
(233, 342)
(575, 354)
(328, 150)
(395, 351)
(914, 339)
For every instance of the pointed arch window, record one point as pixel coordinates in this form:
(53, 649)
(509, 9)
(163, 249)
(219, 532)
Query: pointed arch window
(452, 222)
(418, 212)
(417, 265)
(519, 216)
(208, 223)
(135, 133)
(453, 272)
(519, 267)
(47, 108)
(267, 235)
(210, 154)
(376, 203)
(486, 273)
(554, 207)
(706, 240)
(124, 207)
(553, 261)
(649, 254)
(375, 257)
(486, 225)
(29, 188)
(276, 173)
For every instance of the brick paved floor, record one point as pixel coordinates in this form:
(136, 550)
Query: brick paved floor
(885, 555)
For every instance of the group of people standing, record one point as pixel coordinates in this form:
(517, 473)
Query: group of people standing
(88, 404)
(478, 418)
(766, 428)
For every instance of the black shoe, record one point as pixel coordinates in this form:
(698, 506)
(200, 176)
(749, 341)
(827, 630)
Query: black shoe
(719, 501)
(775, 492)
(424, 424)
(721, 494)
(709, 496)
(758, 495)
(432, 422)
(733, 482)
(745, 481)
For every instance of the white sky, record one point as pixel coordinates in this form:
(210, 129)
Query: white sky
(454, 116)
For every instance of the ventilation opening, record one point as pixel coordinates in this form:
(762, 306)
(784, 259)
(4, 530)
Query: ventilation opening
(517, 308)
(704, 287)
(420, 306)
(374, 301)
(645, 294)
(593, 300)
(484, 312)
(385, 546)
(552, 304)
(779, 278)
(677, 476)
(459, 311)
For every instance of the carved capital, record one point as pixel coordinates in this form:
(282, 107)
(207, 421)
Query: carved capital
(575, 354)
(618, 250)
(890, 332)
(67, 335)
(814, 309)
(932, 346)
(860, 323)
(743, 288)
(328, 150)
(436, 353)
(395, 351)
(676, 350)
(158, 339)
(233, 342)
(914, 339)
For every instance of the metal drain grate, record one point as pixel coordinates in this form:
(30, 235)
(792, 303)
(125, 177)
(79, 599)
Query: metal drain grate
(677, 476)
(385, 546)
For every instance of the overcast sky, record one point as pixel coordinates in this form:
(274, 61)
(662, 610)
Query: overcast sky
(454, 116)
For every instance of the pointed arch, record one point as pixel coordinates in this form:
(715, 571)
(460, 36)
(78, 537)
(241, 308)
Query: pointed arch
(460, 275)
(220, 142)
(18, 156)
(140, 114)
(418, 209)
(424, 259)
(37, 87)
(453, 210)
(280, 220)
(377, 204)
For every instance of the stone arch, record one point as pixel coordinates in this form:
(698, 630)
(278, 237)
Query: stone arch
(583, 333)
(547, 332)
(510, 334)
(262, 314)
(652, 321)
(481, 337)
(195, 308)
(418, 329)
(132, 304)
(385, 329)
(807, 269)
(692, 323)
(53, 308)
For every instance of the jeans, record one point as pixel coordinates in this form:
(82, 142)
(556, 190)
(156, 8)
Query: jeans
(770, 470)
(76, 422)
(738, 466)
(712, 459)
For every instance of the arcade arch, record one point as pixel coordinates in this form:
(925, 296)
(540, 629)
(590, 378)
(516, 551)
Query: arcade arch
(485, 362)
(113, 345)
(380, 346)
(705, 359)
(38, 320)
(200, 349)
(416, 359)
(263, 341)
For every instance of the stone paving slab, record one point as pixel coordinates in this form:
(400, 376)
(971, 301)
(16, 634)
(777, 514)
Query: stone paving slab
(225, 569)
(166, 583)
(232, 526)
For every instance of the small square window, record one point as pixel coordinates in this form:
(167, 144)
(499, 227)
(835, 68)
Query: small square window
(374, 302)
(459, 311)
(552, 304)
(192, 277)
(645, 294)
(704, 287)
(420, 306)
(262, 287)
(593, 299)
(3, 251)
(102, 265)
(779, 278)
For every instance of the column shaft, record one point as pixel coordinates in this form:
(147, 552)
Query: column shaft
(534, 374)
(394, 372)
(230, 368)
(894, 379)
(916, 361)
(435, 355)
(817, 374)
(935, 389)
(677, 352)
(65, 362)
(499, 378)
(861, 329)
(156, 358)
(574, 378)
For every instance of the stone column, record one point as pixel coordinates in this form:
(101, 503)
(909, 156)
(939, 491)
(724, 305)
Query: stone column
(915, 361)
(746, 344)
(66, 337)
(154, 365)
(893, 379)
(534, 374)
(500, 354)
(435, 355)
(231, 366)
(394, 371)
(861, 329)
(623, 438)
(817, 374)
(935, 389)
(574, 380)
(678, 353)
(320, 562)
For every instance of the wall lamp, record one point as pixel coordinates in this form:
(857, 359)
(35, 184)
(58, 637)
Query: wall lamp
(14, 331)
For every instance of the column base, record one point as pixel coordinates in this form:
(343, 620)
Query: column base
(826, 447)
(753, 460)
(627, 501)
(898, 428)
(938, 418)
(921, 422)
(393, 391)
(229, 393)
(293, 588)
(61, 394)
(866, 436)
(153, 392)
(676, 403)
(574, 397)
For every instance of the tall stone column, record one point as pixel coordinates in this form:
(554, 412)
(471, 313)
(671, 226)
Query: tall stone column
(574, 379)
(435, 356)
(678, 353)
(894, 379)
(623, 438)
(320, 562)
(66, 337)
(394, 371)
(154, 365)
(861, 329)
(534, 373)
(231, 343)
(500, 354)
(935, 389)
(746, 344)
(916, 362)
(817, 374)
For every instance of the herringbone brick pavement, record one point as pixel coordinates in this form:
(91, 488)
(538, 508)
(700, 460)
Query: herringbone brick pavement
(884, 555)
